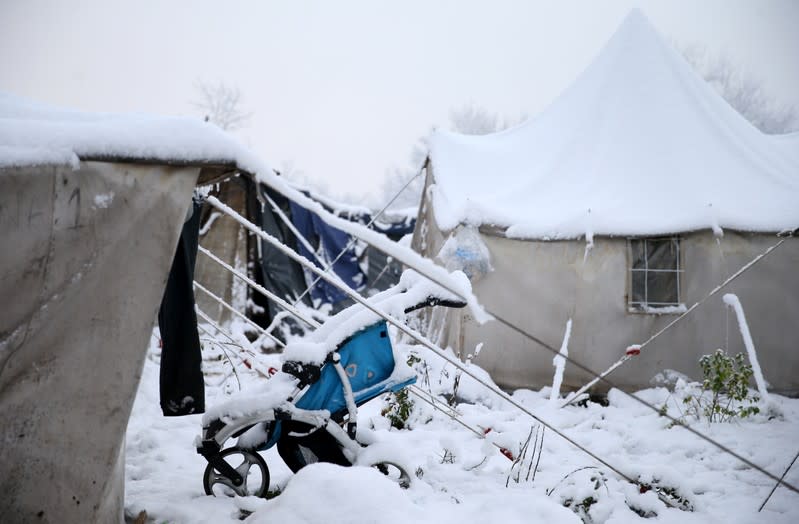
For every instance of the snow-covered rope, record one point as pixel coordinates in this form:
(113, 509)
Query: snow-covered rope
(382, 272)
(778, 482)
(294, 230)
(407, 257)
(477, 310)
(308, 320)
(212, 338)
(414, 261)
(636, 349)
(421, 339)
(311, 322)
(233, 310)
(353, 238)
(256, 365)
(333, 279)
(268, 294)
(421, 394)
(208, 319)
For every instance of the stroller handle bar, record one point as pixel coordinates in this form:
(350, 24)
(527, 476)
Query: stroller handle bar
(433, 301)
(308, 373)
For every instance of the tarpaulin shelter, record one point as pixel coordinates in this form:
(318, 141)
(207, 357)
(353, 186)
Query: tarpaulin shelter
(91, 208)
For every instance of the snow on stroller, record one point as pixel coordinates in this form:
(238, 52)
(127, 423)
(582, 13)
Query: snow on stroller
(309, 410)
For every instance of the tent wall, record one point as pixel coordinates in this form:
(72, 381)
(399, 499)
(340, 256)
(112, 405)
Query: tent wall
(82, 272)
(539, 285)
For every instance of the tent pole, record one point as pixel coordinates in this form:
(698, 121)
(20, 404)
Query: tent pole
(254, 285)
(240, 315)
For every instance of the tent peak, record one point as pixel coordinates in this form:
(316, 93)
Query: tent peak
(626, 139)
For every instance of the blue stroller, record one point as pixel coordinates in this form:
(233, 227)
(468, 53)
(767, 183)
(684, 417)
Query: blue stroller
(309, 411)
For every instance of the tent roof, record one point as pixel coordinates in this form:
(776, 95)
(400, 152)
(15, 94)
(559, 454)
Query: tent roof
(637, 145)
(34, 134)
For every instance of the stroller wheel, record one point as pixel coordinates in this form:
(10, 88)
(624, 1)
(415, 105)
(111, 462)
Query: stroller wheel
(249, 464)
(394, 472)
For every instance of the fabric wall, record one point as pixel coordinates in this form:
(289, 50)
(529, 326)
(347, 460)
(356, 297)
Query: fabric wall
(91, 253)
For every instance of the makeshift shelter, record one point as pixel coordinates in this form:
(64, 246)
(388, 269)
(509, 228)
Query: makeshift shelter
(631, 197)
(91, 211)
(91, 208)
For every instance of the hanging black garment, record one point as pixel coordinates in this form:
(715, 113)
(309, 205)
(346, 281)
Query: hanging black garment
(182, 385)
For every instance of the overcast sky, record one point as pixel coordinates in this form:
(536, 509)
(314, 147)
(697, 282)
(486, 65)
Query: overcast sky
(341, 90)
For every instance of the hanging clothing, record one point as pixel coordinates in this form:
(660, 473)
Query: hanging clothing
(181, 378)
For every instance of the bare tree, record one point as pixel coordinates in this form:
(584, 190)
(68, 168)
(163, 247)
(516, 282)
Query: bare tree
(467, 119)
(221, 104)
(743, 92)
(470, 119)
(394, 186)
(289, 170)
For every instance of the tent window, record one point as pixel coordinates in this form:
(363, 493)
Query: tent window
(655, 274)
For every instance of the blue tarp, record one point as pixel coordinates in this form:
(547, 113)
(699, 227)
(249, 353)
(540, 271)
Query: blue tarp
(329, 242)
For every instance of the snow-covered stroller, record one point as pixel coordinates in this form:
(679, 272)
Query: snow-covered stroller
(309, 410)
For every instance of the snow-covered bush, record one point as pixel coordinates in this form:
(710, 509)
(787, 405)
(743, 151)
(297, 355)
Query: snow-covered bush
(398, 408)
(582, 491)
(725, 393)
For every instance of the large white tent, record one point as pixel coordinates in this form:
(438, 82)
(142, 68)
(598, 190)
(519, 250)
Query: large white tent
(632, 196)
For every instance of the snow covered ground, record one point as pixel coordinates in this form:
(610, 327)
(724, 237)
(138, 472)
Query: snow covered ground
(459, 477)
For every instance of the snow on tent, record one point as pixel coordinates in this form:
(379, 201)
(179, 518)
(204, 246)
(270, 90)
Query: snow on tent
(626, 201)
(91, 209)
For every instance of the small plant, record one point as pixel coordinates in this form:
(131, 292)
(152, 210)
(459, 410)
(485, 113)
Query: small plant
(398, 408)
(582, 508)
(580, 490)
(725, 391)
(518, 465)
(420, 366)
(456, 382)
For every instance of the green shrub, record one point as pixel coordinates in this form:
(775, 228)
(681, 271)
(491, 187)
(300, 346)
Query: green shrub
(398, 408)
(725, 393)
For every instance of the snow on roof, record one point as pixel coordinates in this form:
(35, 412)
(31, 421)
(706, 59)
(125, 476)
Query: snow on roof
(637, 145)
(35, 134)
